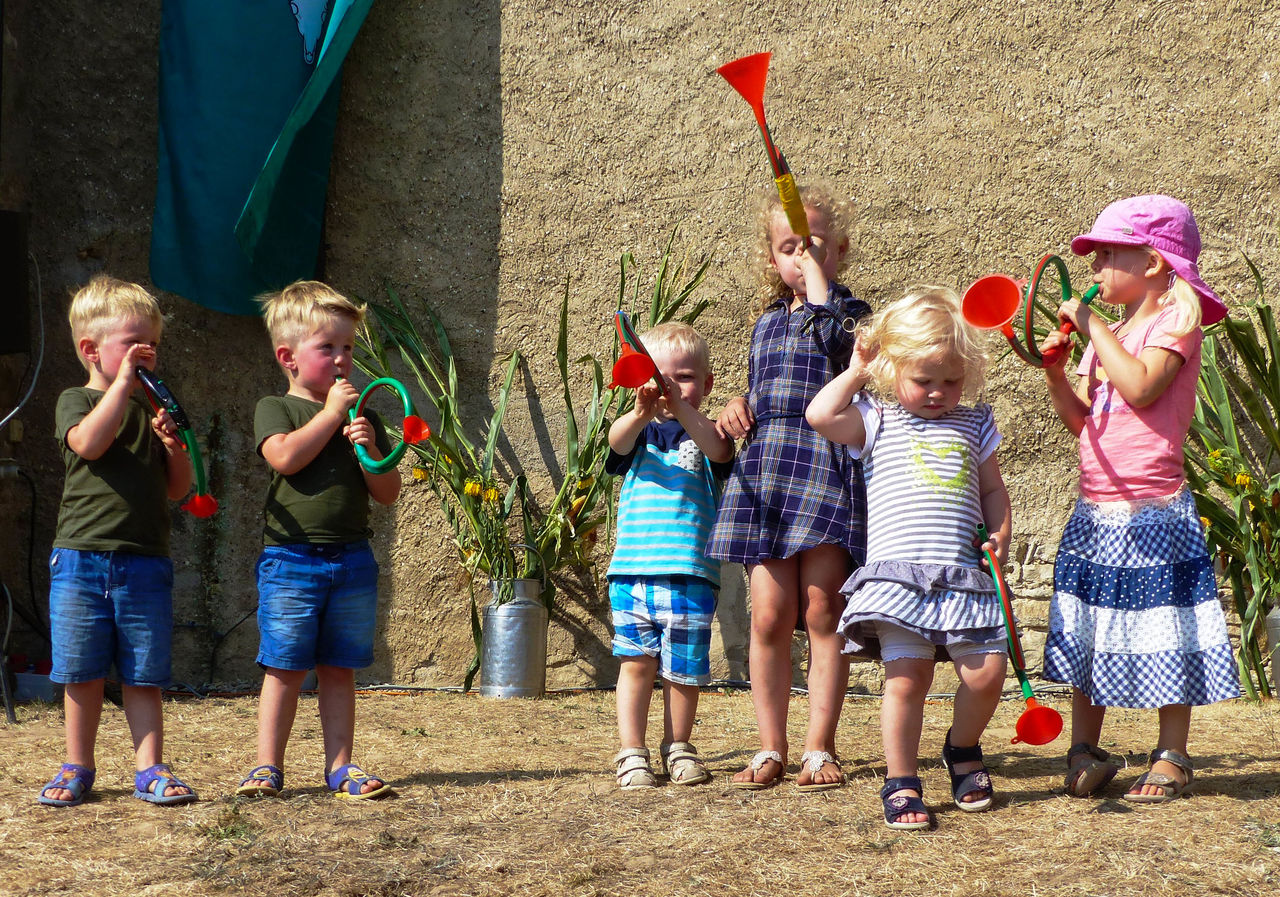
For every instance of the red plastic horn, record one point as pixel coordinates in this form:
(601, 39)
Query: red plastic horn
(632, 369)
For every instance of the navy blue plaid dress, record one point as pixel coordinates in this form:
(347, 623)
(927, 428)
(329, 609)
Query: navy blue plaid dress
(792, 489)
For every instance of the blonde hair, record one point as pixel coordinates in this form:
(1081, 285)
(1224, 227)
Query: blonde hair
(302, 307)
(1185, 301)
(678, 337)
(105, 302)
(821, 197)
(925, 323)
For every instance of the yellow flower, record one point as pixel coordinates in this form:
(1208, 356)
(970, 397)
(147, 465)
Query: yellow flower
(1242, 479)
(1215, 454)
(585, 483)
(576, 508)
(491, 494)
(1204, 522)
(419, 473)
(472, 488)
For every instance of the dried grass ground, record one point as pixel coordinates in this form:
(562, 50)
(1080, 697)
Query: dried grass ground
(514, 797)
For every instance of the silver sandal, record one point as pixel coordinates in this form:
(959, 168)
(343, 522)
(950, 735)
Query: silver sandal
(1170, 787)
(814, 761)
(757, 763)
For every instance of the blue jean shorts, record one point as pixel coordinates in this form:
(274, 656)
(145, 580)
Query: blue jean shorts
(110, 607)
(668, 617)
(317, 604)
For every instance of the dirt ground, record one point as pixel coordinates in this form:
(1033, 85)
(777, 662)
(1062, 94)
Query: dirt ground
(503, 797)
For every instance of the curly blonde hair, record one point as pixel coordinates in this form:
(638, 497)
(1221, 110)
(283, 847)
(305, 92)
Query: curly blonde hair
(823, 198)
(925, 323)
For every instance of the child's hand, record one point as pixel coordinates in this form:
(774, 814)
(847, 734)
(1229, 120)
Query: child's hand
(810, 264)
(860, 361)
(736, 420)
(1056, 342)
(647, 397)
(135, 355)
(342, 397)
(1077, 313)
(360, 432)
(167, 432)
(996, 545)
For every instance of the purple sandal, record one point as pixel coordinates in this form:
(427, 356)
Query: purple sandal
(346, 781)
(151, 783)
(72, 777)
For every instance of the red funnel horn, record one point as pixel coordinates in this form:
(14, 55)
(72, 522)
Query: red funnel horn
(991, 302)
(632, 369)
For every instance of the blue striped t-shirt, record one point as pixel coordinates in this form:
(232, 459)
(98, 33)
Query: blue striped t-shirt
(666, 506)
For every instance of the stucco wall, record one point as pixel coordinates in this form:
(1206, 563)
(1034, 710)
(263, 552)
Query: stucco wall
(486, 152)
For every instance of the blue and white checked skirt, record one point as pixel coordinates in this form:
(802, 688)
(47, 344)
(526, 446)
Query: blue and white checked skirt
(1135, 619)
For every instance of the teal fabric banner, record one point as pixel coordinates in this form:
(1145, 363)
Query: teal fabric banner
(248, 99)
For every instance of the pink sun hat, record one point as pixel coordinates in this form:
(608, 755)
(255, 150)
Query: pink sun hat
(1168, 227)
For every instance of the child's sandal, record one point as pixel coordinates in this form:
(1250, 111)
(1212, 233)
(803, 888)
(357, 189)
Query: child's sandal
(964, 784)
(1085, 778)
(262, 781)
(71, 777)
(347, 783)
(150, 784)
(1170, 787)
(895, 807)
(757, 763)
(812, 762)
(680, 761)
(633, 769)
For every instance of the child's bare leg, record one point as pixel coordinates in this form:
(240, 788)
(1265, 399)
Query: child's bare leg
(277, 707)
(679, 710)
(145, 714)
(83, 711)
(823, 570)
(1086, 719)
(981, 683)
(906, 683)
(775, 602)
(1175, 727)
(635, 690)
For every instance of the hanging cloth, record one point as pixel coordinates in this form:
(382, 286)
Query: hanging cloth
(248, 100)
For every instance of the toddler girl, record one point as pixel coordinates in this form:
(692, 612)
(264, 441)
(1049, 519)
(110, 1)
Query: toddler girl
(792, 510)
(931, 477)
(1135, 619)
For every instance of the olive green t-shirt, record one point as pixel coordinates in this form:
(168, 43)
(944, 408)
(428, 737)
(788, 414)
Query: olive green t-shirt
(327, 501)
(118, 502)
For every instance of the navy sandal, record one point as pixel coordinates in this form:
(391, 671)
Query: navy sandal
(71, 777)
(895, 807)
(962, 785)
(151, 783)
(262, 781)
(346, 781)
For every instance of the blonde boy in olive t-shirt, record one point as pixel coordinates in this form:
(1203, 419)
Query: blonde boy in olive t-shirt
(111, 580)
(317, 579)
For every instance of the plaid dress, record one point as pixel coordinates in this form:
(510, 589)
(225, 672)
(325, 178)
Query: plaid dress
(791, 489)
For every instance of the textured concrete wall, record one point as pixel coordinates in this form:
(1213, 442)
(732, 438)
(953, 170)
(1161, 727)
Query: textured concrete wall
(488, 152)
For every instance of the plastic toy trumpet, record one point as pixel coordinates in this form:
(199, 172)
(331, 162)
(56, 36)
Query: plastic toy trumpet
(747, 76)
(413, 429)
(202, 504)
(992, 302)
(635, 366)
(1038, 724)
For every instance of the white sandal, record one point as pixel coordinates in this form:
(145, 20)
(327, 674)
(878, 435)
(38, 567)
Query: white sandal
(757, 763)
(634, 771)
(814, 761)
(681, 762)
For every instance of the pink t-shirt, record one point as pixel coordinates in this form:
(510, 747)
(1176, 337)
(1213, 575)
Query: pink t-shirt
(1129, 453)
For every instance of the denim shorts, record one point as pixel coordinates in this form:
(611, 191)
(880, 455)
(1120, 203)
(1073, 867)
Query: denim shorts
(110, 607)
(317, 604)
(668, 617)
